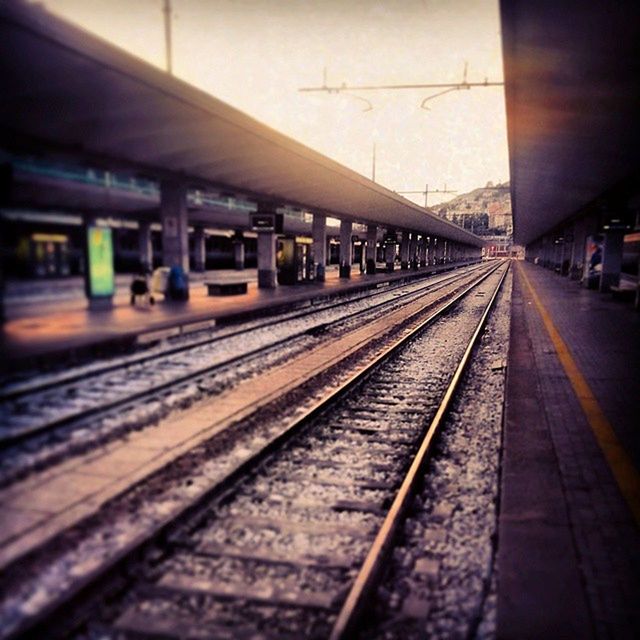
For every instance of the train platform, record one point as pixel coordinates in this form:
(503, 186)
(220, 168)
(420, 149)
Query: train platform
(48, 325)
(568, 543)
(568, 550)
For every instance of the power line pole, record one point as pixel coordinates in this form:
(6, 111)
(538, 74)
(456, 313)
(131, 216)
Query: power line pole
(426, 193)
(373, 168)
(446, 87)
(167, 34)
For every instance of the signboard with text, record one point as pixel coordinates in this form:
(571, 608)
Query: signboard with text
(266, 222)
(100, 273)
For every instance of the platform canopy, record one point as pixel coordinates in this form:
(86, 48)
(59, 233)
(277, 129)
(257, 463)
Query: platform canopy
(572, 82)
(66, 90)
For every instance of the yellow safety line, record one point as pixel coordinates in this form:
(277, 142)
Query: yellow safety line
(624, 471)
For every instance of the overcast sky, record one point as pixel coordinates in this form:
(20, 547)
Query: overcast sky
(256, 54)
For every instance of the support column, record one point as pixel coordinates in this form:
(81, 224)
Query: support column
(346, 251)
(548, 250)
(145, 248)
(582, 229)
(439, 251)
(200, 253)
(173, 214)
(567, 250)
(238, 251)
(266, 259)
(556, 253)
(576, 259)
(319, 233)
(390, 250)
(611, 260)
(413, 247)
(372, 241)
(423, 251)
(404, 251)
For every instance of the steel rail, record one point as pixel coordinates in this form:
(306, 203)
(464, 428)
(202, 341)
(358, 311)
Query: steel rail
(10, 439)
(367, 580)
(39, 623)
(19, 390)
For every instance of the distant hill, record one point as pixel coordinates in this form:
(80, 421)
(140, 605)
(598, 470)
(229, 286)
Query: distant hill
(485, 211)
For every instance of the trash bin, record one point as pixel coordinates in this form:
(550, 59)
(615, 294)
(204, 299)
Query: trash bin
(178, 285)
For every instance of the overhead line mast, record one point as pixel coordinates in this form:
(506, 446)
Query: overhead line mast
(426, 192)
(166, 9)
(447, 86)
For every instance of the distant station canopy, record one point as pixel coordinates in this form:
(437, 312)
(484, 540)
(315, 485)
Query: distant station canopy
(66, 91)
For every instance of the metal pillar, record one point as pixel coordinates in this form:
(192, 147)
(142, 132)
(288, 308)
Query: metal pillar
(423, 251)
(372, 241)
(346, 251)
(390, 250)
(145, 248)
(611, 260)
(200, 253)
(175, 231)
(238, 251)
(319, 233)
(404, 251)
(413, 247)
(266, 259)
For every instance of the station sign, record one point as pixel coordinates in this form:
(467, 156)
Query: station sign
(267, 222)
(616, 222)
(100, 273)
(391, 238)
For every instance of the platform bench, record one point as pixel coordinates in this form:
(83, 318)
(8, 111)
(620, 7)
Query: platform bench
(218, 288)
(624, 291)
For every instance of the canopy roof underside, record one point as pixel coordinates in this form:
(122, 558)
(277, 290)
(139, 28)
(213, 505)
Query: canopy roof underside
(572, 82)
(68, 91)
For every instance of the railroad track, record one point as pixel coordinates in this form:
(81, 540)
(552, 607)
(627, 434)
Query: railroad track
(17, 389)
(292, 544)
(113, 394)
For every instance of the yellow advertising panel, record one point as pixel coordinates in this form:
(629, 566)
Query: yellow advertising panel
(100, 262)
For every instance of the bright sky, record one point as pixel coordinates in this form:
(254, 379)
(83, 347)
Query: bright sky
(256, 54)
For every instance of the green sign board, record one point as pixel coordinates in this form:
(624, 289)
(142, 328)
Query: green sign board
(100, 262)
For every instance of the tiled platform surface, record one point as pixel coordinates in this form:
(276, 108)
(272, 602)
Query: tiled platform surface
(569, 547)
(70, 326)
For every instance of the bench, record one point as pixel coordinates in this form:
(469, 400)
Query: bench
(624, 291)
(232, 288)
